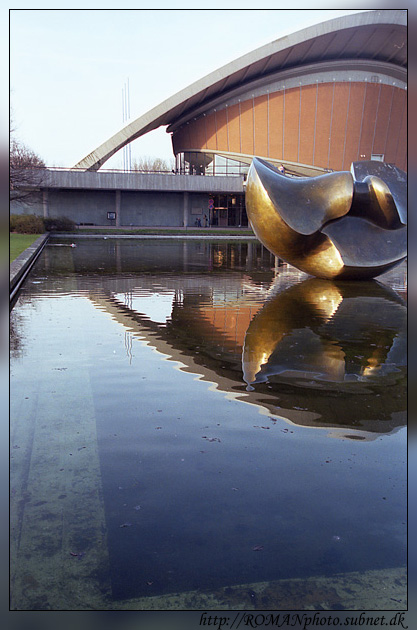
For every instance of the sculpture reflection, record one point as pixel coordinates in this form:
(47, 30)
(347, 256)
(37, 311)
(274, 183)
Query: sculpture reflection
(338, 225)
(339, 339)
(319, 354)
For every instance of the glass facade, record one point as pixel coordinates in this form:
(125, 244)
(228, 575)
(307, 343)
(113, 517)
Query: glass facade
(199, 163)
(227, 210)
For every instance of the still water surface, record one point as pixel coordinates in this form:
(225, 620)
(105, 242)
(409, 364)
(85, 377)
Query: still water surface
(188, 414)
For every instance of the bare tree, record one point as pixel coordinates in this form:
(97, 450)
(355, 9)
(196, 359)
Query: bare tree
(27, 172)
(153, 164)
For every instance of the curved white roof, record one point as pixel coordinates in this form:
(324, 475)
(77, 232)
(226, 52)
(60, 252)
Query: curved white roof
(374, 36)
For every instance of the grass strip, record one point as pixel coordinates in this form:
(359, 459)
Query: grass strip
(19, 242)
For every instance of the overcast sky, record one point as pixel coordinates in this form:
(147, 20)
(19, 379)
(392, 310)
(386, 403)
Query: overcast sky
(68, 67)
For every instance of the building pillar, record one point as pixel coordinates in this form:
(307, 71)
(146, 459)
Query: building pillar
(118, 257)
(185, 255)
(117, 207)
(45, 202)
(185, 210)
(249, 256)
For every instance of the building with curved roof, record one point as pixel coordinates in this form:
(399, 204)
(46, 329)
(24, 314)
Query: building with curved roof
(315, 101)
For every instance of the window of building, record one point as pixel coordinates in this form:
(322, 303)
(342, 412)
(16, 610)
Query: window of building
(228, 211)
(196, 163)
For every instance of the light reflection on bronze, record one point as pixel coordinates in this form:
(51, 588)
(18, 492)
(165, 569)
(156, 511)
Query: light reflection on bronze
(323, 331)
(296, 309)
(335, 226)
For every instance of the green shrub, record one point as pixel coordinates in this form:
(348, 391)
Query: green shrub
(59, 224)
(32, 224)
(26, 224)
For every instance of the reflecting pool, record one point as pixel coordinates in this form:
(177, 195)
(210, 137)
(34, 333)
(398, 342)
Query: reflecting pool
(197, 425)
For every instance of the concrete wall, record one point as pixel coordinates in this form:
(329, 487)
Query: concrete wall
(138, 208)
(142, 199)
(157, 182)
(153, 209)
(82, 206)
(141, 208)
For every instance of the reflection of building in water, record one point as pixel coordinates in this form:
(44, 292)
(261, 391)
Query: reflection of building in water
(303, 354)
(316, 353)
(110, 255)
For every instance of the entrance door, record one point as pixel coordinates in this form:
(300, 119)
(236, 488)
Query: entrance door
(223, 217)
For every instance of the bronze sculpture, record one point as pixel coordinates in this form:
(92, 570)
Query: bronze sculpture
(342, 225)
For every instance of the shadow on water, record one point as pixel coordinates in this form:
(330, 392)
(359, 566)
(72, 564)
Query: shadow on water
(217, 376)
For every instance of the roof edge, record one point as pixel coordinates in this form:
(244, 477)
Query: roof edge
(158, 116)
